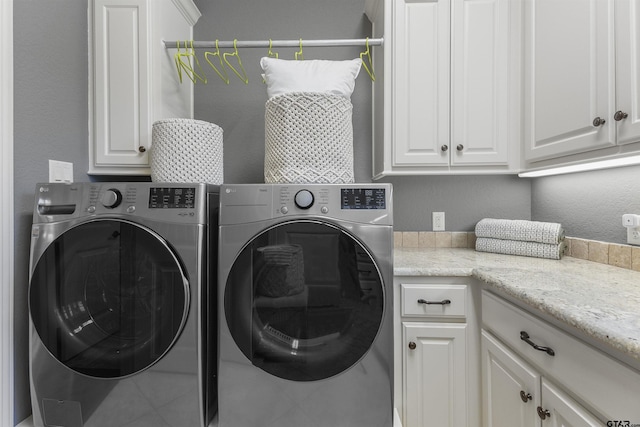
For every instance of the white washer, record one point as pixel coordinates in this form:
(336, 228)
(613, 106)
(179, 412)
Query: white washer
(118, 300)
(305, 305)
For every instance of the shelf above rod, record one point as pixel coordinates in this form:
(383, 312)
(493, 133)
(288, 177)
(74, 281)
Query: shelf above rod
(224, 44)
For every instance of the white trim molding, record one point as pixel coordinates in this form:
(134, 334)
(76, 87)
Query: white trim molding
(6, 215)
(189, 10)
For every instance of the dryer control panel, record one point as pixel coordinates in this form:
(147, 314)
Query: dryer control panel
(362, 203)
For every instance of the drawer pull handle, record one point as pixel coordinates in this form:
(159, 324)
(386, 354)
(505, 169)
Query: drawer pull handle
(443, 302)
(543, 413)
(525, 337)
(525, 396)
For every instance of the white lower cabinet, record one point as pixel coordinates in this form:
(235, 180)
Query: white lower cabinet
(437, 352)
(534, 374)
(515, 394)
(560, 410)
(435, 374)
(510, 387)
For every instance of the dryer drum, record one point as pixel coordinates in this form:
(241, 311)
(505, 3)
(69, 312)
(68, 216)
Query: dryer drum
(298, 307)
(283, 271)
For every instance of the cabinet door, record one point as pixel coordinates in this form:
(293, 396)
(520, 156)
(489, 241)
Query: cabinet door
(628, 70)
(421, 82)
(435, 373)
(568, 77)
(121, 119)
(511, 388)
(480, 82)
(564, 411)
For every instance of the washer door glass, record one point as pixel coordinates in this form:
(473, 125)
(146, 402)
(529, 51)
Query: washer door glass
(304, 301)
(108, 298)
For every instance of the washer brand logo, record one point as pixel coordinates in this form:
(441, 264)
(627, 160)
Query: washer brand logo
(44, 189)
(230, 190)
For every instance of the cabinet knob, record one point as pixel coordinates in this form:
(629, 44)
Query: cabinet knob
(543, 413)
(444, 147)
(142, 149)
(525, 396)
(412, 345)
(460, 147)
(598, 122)
(619, 115)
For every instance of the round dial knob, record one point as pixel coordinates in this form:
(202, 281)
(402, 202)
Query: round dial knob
(111, 198)
(304, 199)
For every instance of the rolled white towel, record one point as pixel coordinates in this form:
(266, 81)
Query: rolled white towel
(515, 247)
(521, 230)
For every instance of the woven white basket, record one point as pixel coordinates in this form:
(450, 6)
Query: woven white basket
(186, 150)
(308, 139)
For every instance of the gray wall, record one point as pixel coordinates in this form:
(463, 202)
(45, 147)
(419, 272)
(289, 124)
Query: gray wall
(589, 205)
(50, 120)
(464, 199)
(239, 110)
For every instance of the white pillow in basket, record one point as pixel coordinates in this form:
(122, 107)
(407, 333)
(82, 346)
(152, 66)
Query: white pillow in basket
(317, 75)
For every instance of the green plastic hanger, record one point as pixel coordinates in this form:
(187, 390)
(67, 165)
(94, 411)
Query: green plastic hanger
(225, 55)
(186, 62)
(176, 59)
(223, 75)
(368, 68)
(299, 55)
(270, 54)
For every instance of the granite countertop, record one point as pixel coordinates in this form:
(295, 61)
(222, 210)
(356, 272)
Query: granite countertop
(599, 300)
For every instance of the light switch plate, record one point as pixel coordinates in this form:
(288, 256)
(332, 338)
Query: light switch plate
(60, 171)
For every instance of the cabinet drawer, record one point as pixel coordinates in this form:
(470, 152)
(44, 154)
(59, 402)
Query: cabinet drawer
(601, 382)
(434, 300)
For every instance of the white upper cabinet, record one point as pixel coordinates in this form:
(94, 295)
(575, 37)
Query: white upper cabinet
(447, 100)
(581, 79)
(421, 76)
(132, 78)
(627, 109)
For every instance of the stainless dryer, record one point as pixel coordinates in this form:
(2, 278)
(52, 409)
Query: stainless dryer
(305, 305)
(118, 301)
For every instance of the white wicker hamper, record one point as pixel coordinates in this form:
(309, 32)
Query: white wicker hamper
(308, 139)
(186, 150)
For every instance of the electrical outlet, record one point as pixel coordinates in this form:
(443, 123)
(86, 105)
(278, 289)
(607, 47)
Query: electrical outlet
(633, 236)
(438, 221)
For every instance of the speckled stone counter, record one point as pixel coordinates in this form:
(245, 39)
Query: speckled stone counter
(601, 301)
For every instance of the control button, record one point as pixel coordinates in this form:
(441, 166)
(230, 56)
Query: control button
(304, 199)
(111, 198)
(324, 209)
(91, 209)
(284, 210)
(131, 209)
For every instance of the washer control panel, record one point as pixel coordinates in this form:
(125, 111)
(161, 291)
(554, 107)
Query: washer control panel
(181, 203)
(367, 203)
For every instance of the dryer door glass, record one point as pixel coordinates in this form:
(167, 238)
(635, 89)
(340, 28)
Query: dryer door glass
(304, 301)
(108, 298)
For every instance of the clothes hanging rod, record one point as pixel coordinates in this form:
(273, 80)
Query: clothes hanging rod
(224, 44)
